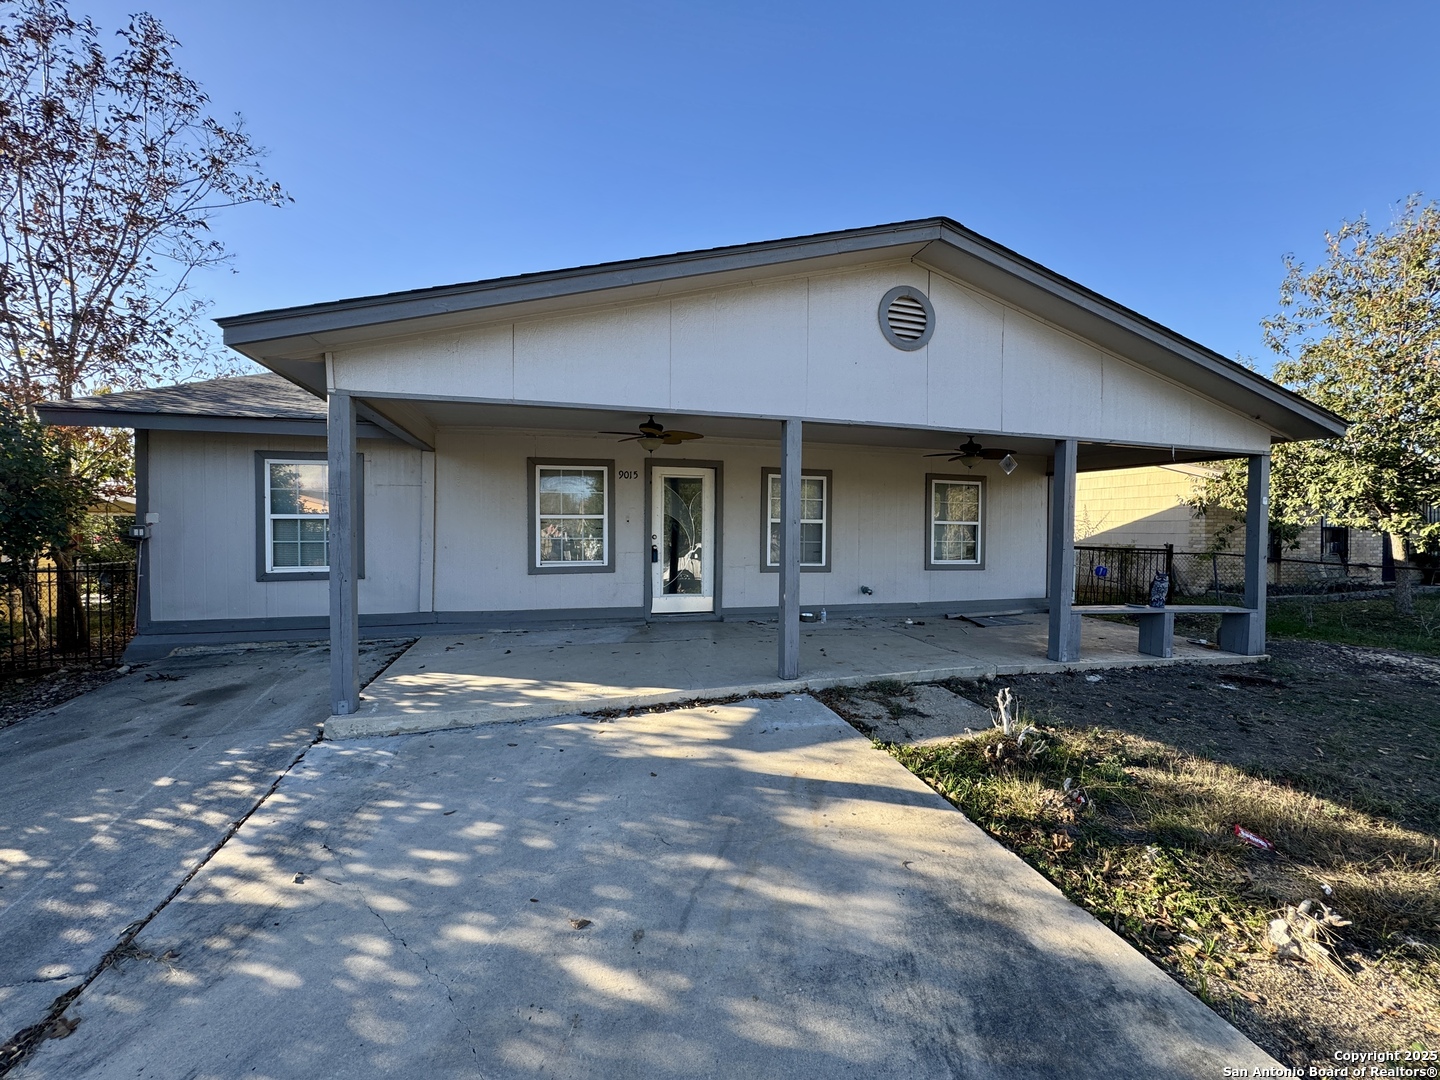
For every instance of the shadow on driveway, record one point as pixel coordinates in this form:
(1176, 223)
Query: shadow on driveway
(736, 890)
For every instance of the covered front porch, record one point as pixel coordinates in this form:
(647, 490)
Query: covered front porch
(463, 679)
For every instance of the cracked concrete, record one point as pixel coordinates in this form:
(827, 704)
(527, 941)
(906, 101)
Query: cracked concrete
(112, 798)
(763, 895)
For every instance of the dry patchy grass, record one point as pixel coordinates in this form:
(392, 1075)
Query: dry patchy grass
(1144, 839)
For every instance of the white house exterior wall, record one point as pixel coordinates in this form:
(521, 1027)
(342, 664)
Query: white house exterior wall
(877, 527)
(475, 506)
(810, 347)
(202, 550)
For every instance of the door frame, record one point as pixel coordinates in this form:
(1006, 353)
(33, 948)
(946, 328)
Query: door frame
(646, 574)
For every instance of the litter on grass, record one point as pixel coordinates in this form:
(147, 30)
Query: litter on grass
(1253, 839)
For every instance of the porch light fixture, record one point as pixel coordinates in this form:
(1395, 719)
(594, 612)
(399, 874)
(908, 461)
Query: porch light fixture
(650, 443)
(1008, 464)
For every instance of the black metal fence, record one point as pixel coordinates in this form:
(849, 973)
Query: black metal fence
(53, 618)
(1123, 575)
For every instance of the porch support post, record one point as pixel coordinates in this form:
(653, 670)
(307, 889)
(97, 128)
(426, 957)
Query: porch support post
(1064, 623)
(1245, 634)
(790, 549)
(344, 558)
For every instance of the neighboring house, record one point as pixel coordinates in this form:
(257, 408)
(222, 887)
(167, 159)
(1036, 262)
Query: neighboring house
(463, 438)
(1148, 507)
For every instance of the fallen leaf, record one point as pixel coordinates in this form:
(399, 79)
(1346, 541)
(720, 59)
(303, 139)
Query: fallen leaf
(580, 924)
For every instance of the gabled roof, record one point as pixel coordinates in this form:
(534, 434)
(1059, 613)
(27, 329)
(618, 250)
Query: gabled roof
(293, 339)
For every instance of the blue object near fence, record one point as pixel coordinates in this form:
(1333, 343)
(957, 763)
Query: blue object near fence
(1101, 571)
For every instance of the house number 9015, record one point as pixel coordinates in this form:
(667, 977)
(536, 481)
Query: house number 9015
(628, 474)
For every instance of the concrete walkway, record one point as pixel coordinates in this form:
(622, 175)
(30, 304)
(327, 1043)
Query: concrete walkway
(735, 890)
(468, 679)
(108, 801)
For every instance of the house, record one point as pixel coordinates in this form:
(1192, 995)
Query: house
(881, 419)
(1149, 507)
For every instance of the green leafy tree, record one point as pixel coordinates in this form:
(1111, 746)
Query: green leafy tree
(1360, 335)
(43, 501)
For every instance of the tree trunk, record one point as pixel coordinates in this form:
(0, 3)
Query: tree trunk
(72, 626)
(37, 628)
(1404, 577)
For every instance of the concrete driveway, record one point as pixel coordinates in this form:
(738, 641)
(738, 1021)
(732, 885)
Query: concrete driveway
(745, 890)
(108, 801)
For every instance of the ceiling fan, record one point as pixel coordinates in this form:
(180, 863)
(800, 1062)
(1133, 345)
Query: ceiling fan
(970, 451)
(652, 436)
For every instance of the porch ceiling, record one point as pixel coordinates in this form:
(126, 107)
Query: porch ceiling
(463, 414)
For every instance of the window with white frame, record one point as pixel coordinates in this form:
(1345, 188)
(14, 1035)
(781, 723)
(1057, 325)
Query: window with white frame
(814, 520)
(297, 516)
(572, 516)
(955, 534)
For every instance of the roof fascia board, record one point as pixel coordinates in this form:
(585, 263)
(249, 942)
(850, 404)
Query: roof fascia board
(240, 425)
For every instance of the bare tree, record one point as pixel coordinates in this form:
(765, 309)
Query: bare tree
(110, 173)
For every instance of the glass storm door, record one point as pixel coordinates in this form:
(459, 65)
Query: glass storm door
(682, 540)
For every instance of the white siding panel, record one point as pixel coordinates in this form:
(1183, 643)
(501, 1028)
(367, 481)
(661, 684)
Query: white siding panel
(1140, 407)
(745, 346)
(1052, 382)
(877, 534)
(853, 372)
(478, 363)
(617, 356)
(965, 370)
(203, 549)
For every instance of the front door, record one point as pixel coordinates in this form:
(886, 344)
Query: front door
(682, 539)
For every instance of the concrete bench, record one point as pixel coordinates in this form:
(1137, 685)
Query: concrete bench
(1157, 624)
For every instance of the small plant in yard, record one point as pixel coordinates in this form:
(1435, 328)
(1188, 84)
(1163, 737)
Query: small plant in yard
(1143, 836)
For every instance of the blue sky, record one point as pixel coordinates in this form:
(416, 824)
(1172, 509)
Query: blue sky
(1165, 155)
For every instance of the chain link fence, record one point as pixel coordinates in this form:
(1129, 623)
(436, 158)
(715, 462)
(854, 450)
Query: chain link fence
(52, 617)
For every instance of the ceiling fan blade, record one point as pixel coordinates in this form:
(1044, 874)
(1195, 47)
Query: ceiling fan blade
(942, 453)
(994, 453)
(683, 435)
(630, 434)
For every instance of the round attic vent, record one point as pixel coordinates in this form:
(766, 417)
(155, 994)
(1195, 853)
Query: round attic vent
(907, 318)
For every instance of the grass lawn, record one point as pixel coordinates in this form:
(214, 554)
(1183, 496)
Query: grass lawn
(1358, 622)
(1127, 793)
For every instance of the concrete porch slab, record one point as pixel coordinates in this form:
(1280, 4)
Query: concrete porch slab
(468, 679)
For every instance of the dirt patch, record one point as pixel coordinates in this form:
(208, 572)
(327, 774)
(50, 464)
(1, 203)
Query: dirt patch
(1358, 725)
(909, 715)
(1328, 750)
(24, 696)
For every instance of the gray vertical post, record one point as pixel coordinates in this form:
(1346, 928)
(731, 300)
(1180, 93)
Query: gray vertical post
(344, 559)
(1245, 634)
(144, 548)
(790, 549)
(1064, 623)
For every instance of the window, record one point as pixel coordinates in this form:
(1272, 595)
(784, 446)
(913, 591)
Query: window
(293, 515)
(955, 540)
(814, 521)
(1335, 542)
(572, 516)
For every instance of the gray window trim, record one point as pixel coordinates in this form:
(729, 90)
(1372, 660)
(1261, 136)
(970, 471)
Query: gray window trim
(930, 563)
(532, 515)
(262, 538)
(884, 311)
(805, 568)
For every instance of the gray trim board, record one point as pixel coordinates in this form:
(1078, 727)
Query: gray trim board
(805, 568)
(261, 537)
(143, 556)
(930, 563)
(532, 515)
(239, 425)
(1064, 642)
(719, 539)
